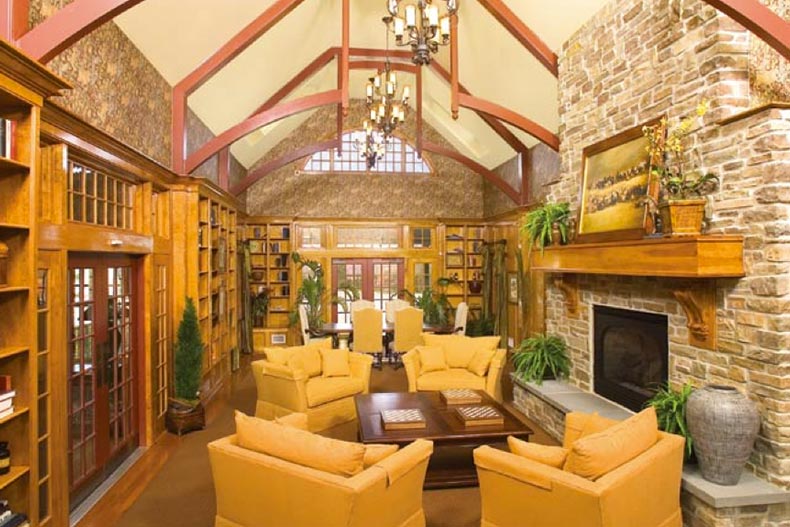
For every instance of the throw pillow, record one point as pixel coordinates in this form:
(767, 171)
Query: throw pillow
(299, 446)
(295, 420)
(280, 355)
(594, 455)
(375, 453)
(553, 456)
(310, 358)
(459, 348)
(431, 359)
(481, 361)
(335, 363)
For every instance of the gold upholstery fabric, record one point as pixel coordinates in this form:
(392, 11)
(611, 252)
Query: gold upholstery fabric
(481, 361)
(553, 456)
(517, 491)
(335, 363)
(459, 348)
(375, 453)
(432, 358)
(454, 378)
(368, 326)
(322, 390)
(408, 329)
(255, 489)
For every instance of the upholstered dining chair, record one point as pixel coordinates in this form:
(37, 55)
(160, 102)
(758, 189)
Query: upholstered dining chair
(356, 305)
(408, 332)
(368, 326)
(461, 314)
(304, 325)
(394, 305)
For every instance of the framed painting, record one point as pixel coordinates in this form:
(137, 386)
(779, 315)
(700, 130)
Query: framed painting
(615, 181)
(512, 288)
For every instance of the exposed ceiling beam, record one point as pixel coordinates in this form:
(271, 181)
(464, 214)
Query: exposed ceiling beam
(528, 38)
(419, 96)
(68, 25)
(509, 116)
(760, 20)
(275, 164)
(487, 174)
(344, 54)
(454, 87)
(281, 111)
(14, 15)
(372, 64)
(223, 176)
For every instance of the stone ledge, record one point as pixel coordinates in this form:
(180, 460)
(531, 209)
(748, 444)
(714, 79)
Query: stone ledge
(750, 491)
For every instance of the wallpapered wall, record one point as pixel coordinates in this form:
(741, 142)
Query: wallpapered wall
(769, 72)
(452, 191)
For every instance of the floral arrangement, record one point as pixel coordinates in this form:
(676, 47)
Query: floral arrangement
(667, 150)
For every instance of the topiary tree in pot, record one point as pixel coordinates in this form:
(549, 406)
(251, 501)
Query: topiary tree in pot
(185, 412)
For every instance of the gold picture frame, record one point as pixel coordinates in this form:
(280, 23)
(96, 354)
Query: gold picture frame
(615, 180)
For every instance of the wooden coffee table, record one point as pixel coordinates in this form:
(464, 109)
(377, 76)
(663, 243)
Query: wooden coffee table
(452, 464)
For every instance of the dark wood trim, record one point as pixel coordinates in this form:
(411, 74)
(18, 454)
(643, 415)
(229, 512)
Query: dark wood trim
(760, 20)
(418, 94)
(492, 177)
(528, 38)
(223, 168)
(70, 24)
(754, 111)
(281, 111)
(14, 16)
(509, 116)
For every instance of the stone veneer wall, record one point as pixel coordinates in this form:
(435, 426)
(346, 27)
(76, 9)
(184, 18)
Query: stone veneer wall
(637, 60)
(452, 191)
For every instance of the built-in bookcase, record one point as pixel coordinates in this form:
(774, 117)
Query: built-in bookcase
(463, 261)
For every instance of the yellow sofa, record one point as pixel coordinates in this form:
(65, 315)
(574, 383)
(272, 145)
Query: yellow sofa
(285, 386)
(258, 490)
(643, 492)
(459, 352)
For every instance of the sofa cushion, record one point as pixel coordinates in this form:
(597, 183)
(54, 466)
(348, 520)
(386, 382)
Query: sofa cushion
(335, 363)
(553, 456)
(306, 358)
(481, 361)
(460, 349)
(453, 378)
(578, 425)
(322, 390)
(375, 453)
(299, 446)
(431, 358)
(295, 420)
(594, 455)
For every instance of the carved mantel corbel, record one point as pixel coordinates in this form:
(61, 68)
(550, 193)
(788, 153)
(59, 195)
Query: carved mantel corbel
(569, 288)
(699, 304)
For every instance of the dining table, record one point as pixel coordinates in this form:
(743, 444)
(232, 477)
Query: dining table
(346, 328)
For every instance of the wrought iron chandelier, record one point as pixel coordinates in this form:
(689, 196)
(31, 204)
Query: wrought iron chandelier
(422, 27)
(371, 144)
(386, 110)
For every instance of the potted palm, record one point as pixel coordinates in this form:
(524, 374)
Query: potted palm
(548, 224)
(260, 306)
(185, 411)
(682, 203)
(310, 293)
(541, 357)
(670, 408)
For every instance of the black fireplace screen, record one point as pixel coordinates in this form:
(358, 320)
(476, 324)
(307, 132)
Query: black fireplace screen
(631, 355)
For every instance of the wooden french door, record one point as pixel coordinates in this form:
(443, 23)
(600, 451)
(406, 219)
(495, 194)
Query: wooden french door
(377, 279)
(102, 368)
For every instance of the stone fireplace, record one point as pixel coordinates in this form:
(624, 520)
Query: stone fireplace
(630, 355)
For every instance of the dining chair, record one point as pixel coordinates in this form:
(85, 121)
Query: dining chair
(368, 326)
(461, 314)
(408, 332)
(356, 305)
(304, 325)
(396, 304)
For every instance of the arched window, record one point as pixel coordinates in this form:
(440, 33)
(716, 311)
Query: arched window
(400, 158)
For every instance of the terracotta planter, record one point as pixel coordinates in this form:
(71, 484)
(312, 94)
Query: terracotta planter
(682, 217)
(182, 418)
(724, 424)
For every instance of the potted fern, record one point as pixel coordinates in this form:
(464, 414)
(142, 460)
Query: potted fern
(670, 408)
(682, 203)
(542, 357)
(185, 412)
(548, 224)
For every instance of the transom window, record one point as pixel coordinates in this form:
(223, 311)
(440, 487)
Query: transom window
(400, 157)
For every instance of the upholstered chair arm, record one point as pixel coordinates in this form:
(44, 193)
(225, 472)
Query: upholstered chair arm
(280, 385)
(252, 488)
(494, 378)
(361, 365)
(624, 500)
(411, 362)
(390, 492)
(547, 496)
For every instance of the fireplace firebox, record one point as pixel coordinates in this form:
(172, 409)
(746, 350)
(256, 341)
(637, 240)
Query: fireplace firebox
(631, 355)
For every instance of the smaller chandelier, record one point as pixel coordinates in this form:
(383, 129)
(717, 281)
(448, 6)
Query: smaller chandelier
(371, 144)
(385, 109)
(422, 27)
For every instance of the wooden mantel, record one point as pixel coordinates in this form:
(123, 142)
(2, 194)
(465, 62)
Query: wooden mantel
(680, 257)
(700, 257)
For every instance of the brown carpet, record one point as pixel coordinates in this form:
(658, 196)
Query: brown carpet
(183, 493)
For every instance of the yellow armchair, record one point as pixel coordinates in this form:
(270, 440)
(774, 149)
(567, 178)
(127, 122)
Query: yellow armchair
(327, 401)
(254, 489)
(455, 377)
(644, 492)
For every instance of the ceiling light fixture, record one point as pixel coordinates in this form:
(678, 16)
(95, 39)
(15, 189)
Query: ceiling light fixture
(422, 27)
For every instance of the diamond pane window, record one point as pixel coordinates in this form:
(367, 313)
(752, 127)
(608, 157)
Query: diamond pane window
(399, 158)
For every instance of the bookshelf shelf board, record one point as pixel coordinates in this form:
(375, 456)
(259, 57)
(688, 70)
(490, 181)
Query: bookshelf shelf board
(16, 472)
(12, 351)
(10, 166)
(9, 290)
(14, 226)
(22, 410)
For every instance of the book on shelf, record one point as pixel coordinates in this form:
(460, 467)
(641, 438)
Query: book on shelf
(7, 395)
(8, 411)
(5, 384)
(7, 143)
(15, 520)
(5, 404)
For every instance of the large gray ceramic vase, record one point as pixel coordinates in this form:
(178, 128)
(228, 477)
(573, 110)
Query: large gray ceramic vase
(723, 424)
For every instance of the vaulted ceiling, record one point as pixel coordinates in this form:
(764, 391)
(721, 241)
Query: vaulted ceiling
(178, 35)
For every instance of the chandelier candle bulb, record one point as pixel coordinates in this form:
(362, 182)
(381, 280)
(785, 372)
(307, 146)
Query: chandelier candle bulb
(411, 16)
(432, 13)
(445, 26)
(399, 27)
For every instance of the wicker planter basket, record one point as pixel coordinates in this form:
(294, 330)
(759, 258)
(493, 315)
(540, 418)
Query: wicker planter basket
(182, 418)
(682, 217)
